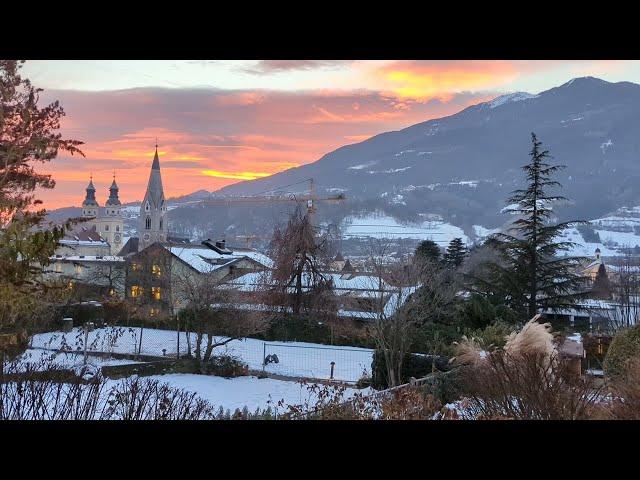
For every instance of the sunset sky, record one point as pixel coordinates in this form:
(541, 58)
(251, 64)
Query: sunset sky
(220, 122)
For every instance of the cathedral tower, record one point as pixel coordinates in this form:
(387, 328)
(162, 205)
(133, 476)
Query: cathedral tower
(113, 205)
(152, 225)
(90, 205)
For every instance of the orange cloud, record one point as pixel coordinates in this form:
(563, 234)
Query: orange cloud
(427, 80)
(208, 144)
(236, 176)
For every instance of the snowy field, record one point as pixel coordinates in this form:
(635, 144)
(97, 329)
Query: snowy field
(40, 359)
(383, 226)
(295, 359)
(252, 392)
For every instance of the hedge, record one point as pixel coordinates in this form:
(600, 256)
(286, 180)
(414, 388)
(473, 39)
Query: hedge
(625, 345)
(414, 365)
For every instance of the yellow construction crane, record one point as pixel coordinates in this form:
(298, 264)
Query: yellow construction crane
(277, 196)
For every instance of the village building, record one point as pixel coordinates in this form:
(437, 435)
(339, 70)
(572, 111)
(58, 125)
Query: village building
(157, 274)
(360, 297)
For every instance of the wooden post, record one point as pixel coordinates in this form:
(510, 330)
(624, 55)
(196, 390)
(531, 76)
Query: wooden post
(264, 355)
(140, 342)
(333, 364)
(86, 339)
(178, 328)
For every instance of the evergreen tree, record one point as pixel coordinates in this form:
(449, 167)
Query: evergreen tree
(427, 251)
(455, 254)
(28, 136)
(532, 274)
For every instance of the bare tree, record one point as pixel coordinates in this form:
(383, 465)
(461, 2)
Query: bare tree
(623, 310)
(214, 314)
(408, 296)
(109, 275)
(298, 254)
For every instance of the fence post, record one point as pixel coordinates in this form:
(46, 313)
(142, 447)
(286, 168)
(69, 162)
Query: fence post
(86, 339)
(333, 364)
(140, 342)
(178, 329)
(264, 355)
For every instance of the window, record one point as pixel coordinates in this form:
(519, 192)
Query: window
(155, 293)
(79, 269)
(155, 269)
(136, 291)
(106, 228)
(135, 267)
(117, 228)
(153, 312)
(160, 224)
(112, 292)
(147, 223)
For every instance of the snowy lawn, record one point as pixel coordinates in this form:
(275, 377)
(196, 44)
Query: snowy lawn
(41, 359)
(252, 392)
(295, 359)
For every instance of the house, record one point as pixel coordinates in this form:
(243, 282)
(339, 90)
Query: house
(360, 297)
(156, 274)
(83, 259)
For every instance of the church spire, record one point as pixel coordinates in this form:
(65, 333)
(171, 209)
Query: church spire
(113, 193)
(90, 205)
(153, 227)
(90, 198)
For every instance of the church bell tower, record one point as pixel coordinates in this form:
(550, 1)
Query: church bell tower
(152, 226)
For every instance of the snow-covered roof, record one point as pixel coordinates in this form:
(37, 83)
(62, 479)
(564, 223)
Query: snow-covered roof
(204, 260)
(342, 282)
(84, 243)
(358, 286)
(87, 258)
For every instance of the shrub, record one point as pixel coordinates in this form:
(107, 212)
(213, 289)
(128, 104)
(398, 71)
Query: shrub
(226, 366)
(413, 365)
(493, 335)
(626, 390)
(624, 346)
(527, 380)
(478, 312)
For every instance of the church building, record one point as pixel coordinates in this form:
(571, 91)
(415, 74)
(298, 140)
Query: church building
(110, 225)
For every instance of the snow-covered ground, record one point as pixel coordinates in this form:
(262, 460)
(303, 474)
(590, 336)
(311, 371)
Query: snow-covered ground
(383, 226)
(40, 359)
(252, 392)
(295, 359)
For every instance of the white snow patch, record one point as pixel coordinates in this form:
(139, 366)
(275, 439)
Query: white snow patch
(511, 97)
(382, 226)
(605, 145)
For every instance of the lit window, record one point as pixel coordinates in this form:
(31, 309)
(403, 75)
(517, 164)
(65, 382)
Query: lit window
(136, 291)
(112, 292)
(155, 293)
(135, 267)
(155, 269)
(153, 312)
(79, 269)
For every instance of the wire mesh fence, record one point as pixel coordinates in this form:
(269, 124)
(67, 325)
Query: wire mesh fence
(318, 362)
(293, 359)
